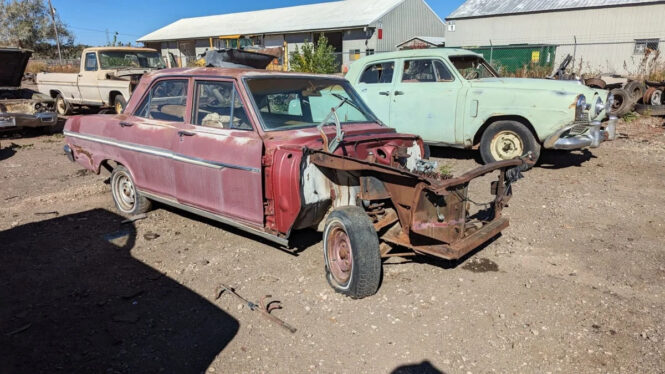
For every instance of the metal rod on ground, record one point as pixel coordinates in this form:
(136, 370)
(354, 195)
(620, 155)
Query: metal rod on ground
(55, 27)
(262, 307)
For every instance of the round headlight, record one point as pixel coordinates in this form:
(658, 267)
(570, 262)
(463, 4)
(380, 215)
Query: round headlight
(598, 107)
(608, 103)
(581, 103)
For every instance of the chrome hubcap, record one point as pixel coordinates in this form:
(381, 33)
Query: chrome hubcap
(506, 145)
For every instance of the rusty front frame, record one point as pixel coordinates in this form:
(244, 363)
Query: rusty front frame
(431, 214)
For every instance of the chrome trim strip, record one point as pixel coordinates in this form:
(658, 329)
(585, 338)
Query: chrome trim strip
(203, 213)
(159, 152)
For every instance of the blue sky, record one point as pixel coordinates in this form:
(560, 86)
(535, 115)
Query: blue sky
(132, 19)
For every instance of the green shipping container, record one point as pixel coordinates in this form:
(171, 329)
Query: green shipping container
(510, 58)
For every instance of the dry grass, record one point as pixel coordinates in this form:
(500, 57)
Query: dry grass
(38, 67)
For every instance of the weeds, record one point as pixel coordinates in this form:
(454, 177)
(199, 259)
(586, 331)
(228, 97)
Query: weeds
(445, 170)
(630, 117)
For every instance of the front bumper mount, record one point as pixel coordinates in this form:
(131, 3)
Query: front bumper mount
(595, 134)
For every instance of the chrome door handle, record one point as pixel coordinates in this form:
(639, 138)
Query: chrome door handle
(398, 93)
(186, 133)
(126, 124)
(384, 93)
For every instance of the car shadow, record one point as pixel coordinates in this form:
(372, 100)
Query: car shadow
(74, 299)
(424, 367)
(455, 153)
(300, 239)
(559, 159)
(7, 151)
(549, 158)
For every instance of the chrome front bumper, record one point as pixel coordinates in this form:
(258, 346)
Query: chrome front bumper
(591, 138)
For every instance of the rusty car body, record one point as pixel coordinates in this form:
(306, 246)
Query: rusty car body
(272, 153)
(21, 107)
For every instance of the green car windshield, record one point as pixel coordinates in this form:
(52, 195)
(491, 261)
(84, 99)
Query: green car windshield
(287, 103)
(473, 67)
(130, 59)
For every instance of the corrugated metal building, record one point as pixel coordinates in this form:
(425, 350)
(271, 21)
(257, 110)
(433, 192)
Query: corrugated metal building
(353, 27)
(606, 36)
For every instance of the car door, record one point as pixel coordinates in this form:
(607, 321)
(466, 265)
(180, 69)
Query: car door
(424, 100)
(220, 151)
(87, 80)
(148, 135)
(375, 86)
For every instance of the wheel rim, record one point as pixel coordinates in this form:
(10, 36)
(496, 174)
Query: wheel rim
(617, 103)
(340, 257)
(118, 107)
(506, 145)
(60, 105)
(656, 97)
(124, 192)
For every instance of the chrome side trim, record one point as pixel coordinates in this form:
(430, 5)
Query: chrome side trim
(218, 218)
(159, 152)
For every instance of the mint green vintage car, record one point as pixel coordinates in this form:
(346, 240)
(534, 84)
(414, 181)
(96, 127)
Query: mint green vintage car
(453, 97)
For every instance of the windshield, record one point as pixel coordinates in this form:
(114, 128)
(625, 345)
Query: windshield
(285, 103)
(473, 67)
(130, 59)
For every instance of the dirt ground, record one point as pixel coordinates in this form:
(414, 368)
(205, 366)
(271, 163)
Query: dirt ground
(575, 285)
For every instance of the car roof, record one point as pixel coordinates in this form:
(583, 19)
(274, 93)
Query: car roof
(129, 49)
(234, 73)
(427, 52)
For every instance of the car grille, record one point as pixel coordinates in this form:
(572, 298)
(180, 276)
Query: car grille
(579, 128)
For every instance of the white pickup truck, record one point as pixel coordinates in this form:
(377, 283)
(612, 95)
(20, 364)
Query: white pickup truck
(107, 78)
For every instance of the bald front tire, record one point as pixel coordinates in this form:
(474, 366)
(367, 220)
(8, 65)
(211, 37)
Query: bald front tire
(516, 131)
(364, 276)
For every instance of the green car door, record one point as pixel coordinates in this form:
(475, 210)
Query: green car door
(424, 100)
(375, 86)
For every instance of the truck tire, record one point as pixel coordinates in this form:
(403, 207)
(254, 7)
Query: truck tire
(62, 107)
(635, 90)
(119, 103)
(622, 103)
(126, 198)
(351, 253)
(506, 140)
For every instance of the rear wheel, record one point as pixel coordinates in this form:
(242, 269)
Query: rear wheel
(506, 140)
(126, 198)
(119, 103)
(61, 106)
(351, 253)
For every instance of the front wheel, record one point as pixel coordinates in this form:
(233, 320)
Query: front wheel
(351, 253)
(119, 103)
(126, 198)
(506, 140)
(61, 106)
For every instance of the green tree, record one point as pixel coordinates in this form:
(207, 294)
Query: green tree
(319, 58)
(28, 24)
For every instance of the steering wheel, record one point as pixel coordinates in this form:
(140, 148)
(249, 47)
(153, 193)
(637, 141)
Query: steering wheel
(472, 75)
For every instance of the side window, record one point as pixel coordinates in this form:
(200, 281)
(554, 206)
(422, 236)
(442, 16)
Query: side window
(90, 61)
(418, 71)
(166, 101)
(378, 73)
(442, 72)
(218, 105)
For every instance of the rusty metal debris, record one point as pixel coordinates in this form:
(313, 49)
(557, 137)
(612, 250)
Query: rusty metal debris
(265, 306)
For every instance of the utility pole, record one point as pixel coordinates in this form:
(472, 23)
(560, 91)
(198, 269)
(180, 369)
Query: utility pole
(55, 27)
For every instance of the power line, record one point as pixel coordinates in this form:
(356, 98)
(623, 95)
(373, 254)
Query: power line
(100, 31)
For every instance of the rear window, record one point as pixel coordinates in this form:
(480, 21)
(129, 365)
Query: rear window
(378, 73)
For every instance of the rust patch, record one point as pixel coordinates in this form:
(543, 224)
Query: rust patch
(80, 151)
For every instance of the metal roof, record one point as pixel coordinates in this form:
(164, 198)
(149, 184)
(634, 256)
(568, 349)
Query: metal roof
(485, 8)
(321, 16)
(433, 40)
